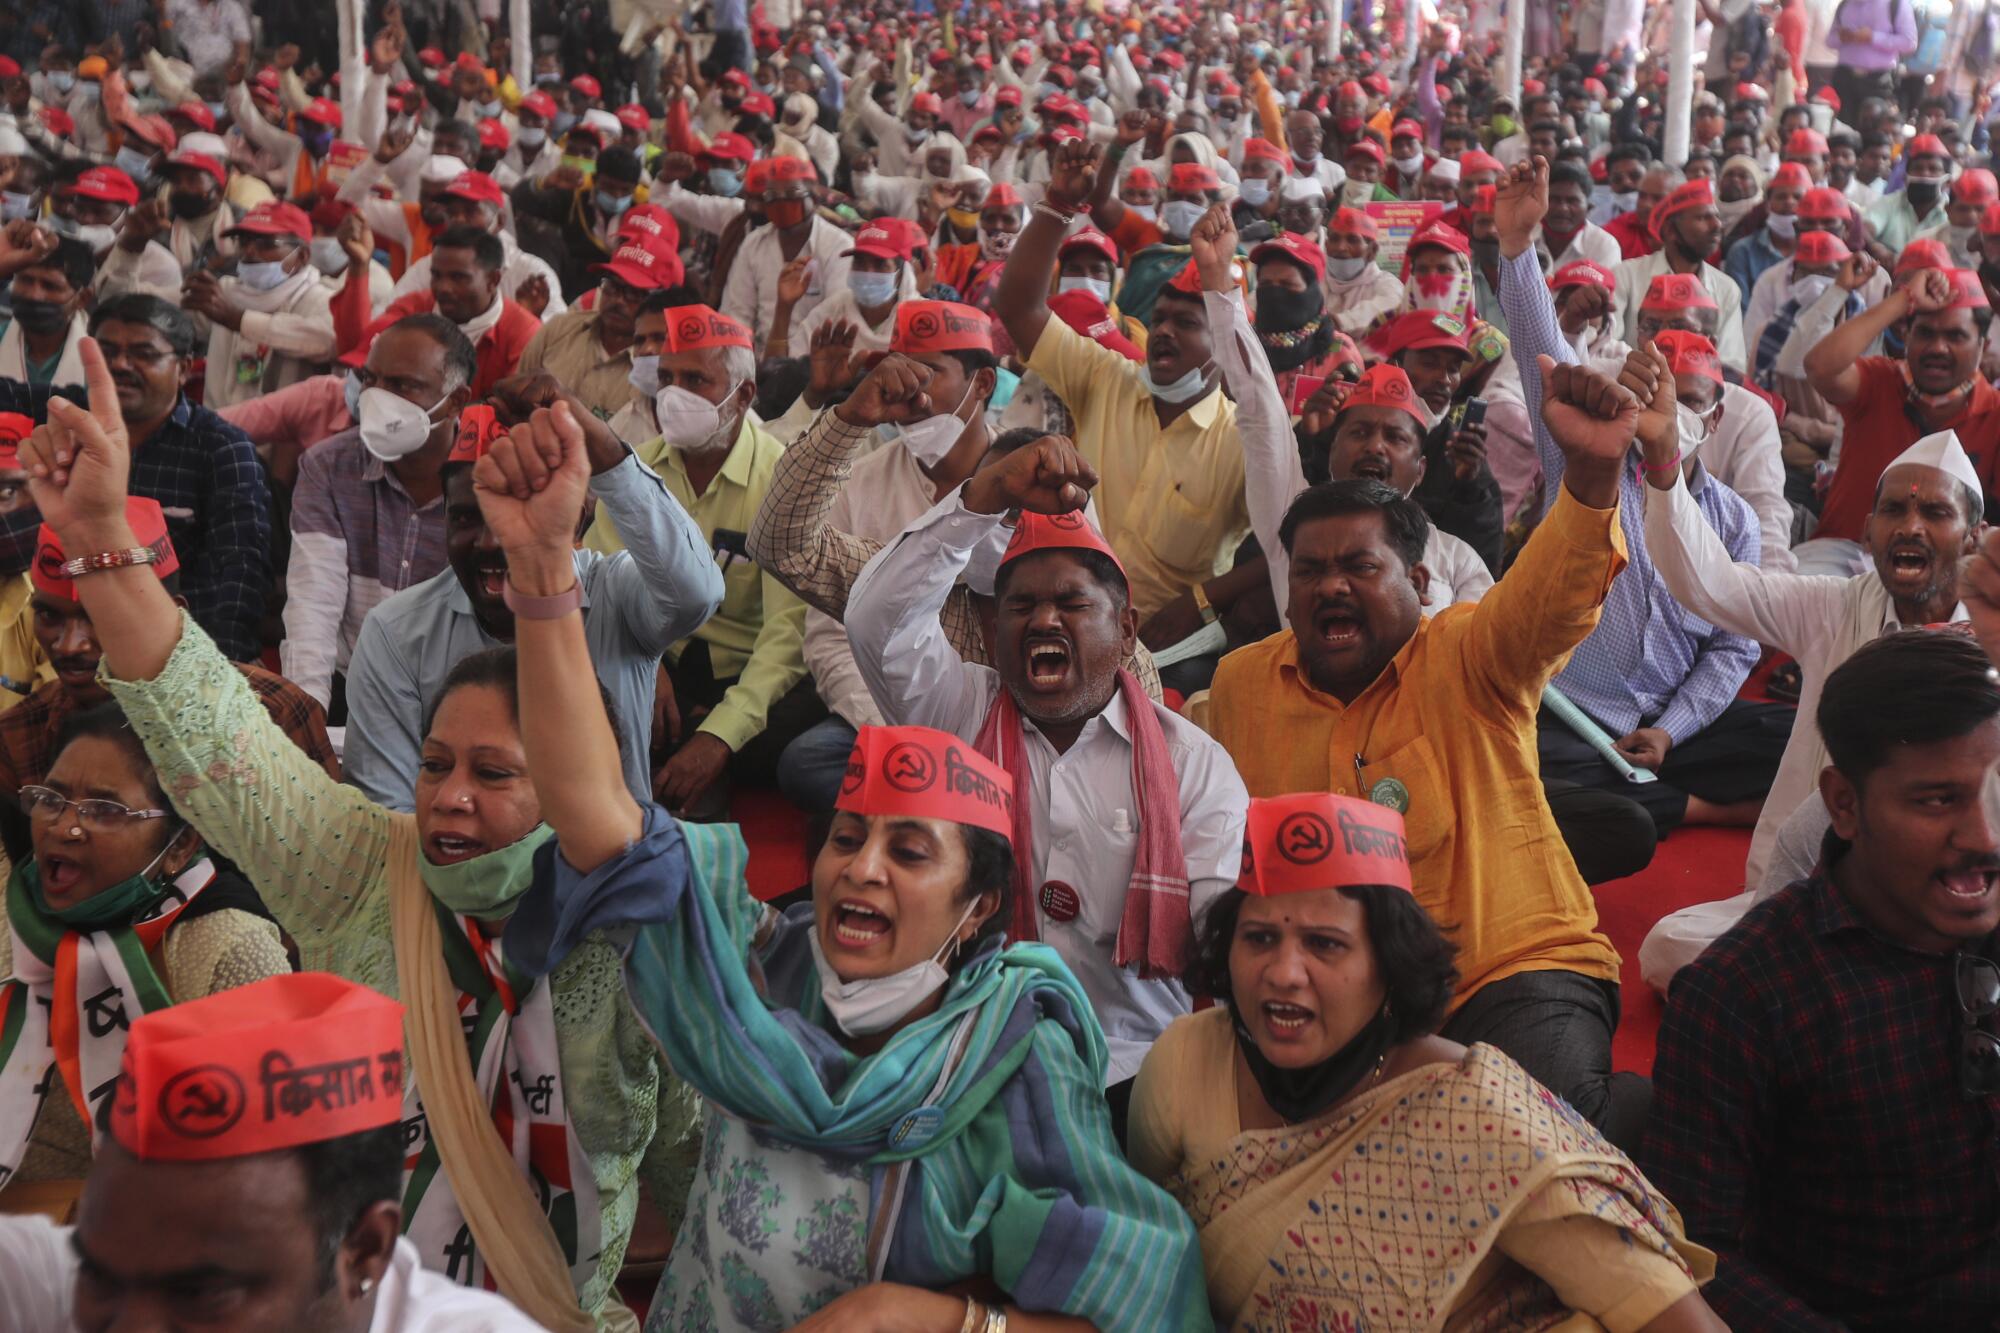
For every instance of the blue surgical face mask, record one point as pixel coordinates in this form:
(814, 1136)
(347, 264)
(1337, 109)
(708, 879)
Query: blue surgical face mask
(1183, 390)
(14, 207)
(726, 181)
(1149, 212)
(62, 80)
(1097, 287)
(489, 110)
(137, 165)
(261, 277)
(1214, 100)
(1178, 216)
(1254, 191)
(872, 289)
(531, 138)
(351, 391)
(968, 97)
(564, 120)
(614, 204)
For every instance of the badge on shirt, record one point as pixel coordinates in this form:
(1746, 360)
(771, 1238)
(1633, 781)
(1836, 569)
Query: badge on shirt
(1060, 901)
(1391, 793)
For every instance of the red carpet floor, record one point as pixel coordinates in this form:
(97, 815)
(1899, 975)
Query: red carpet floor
(1692, 866)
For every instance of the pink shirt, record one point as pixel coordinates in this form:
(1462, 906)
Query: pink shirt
(300, 416)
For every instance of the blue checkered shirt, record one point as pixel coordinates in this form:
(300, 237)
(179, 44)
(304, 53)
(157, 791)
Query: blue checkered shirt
(1649, 663)
(205, 474)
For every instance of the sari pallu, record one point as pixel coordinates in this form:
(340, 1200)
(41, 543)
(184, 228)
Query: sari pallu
(1385, 1214)
(989, 1109)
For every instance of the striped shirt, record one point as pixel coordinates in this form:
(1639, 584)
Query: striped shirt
(357, 536)
(1649, 662)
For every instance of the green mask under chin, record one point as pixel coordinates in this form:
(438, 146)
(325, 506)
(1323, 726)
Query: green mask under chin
(114, 906)
(486, 887)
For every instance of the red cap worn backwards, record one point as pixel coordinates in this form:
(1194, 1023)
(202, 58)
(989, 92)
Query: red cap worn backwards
(1689, 354)
(1384, 385)
(1677, 291)
(924, 774)
(148, 524)
(690, 328)
(1583, 273)
(1317, 840)
(283, 1062)
(924, 328)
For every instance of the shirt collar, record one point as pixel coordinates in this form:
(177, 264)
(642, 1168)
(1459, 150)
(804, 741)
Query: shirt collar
(1206, 409)
(1959, 616)
(1393, 672)
(735, 468)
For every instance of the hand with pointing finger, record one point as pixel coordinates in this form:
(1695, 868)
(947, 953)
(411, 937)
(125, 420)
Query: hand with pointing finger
(79, 461)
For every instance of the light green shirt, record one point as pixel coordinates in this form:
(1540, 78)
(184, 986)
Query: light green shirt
(758, 635)
(1895, 224)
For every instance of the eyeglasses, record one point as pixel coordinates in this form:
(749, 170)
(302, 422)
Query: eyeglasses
(96, 815)
(1978, 1050)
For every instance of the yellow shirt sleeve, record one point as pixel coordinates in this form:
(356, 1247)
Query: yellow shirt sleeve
(1594, 1267)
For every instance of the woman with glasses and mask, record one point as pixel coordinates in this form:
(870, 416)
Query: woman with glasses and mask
(120, 911)
(1347, 1167)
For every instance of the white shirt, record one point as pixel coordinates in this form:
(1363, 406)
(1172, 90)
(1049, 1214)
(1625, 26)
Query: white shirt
(1593, 243)
(711, 213)
(1743, 455)
(520, 267)
(867, 337)
(1862, 194)
(1635, 275)
(1084, 808)
(286, 335)
(1356, 305)
(1273, 475)
(1330, 175)
(38, 1282)
(751, 294)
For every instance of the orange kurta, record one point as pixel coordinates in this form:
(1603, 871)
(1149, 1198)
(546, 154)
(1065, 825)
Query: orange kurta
(1452, 718)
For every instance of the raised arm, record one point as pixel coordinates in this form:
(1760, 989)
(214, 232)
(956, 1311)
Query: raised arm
(531, 487)
(1831, 365)
(1533, 330)
(1022, 298)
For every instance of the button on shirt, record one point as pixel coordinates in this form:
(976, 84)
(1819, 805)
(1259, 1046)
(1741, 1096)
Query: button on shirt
(635, 604)
(1172, 498)
(1809, 1125)
(1649, 662)
(755, 636)
(1086, 816)
(357, 537)
(568, 348)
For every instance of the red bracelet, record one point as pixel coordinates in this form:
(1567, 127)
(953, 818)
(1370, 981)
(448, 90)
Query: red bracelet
(542, 608)
(1661, 469)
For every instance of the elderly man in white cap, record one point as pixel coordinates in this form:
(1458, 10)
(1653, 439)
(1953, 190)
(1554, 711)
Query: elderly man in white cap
(1440, 183)
(1925, 521)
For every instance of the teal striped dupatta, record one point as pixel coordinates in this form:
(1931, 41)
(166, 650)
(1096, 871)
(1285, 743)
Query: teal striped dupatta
(1014, 1174)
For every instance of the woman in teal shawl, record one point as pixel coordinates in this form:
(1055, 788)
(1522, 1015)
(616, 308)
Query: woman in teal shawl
(898, 1106)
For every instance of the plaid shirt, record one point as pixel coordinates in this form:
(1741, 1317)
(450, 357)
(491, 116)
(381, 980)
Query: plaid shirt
(205, 474)
(28, 729)
(1808, 1123)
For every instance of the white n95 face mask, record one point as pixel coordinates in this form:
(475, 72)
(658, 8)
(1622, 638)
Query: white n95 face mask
(393, 427)
(689, 421)
(931, 439)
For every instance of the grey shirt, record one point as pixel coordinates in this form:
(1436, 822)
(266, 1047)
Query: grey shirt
(654, 593)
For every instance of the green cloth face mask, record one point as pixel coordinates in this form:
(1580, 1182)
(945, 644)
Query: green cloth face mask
(486, 887)
(118, 905)
(1504, 126)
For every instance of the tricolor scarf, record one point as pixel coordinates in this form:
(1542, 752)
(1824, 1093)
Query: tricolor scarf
(1155, 932)
(66, 1010)
(510, 1032)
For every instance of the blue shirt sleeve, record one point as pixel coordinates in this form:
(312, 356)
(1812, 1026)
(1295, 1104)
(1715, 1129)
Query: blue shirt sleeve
(1533, 330)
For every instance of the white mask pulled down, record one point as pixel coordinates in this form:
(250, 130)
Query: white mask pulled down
(689, 422)
(930, 439)
(393, 427)
(870, 1005)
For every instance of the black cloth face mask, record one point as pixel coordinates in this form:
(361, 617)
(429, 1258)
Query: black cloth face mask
(1300, 1095)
